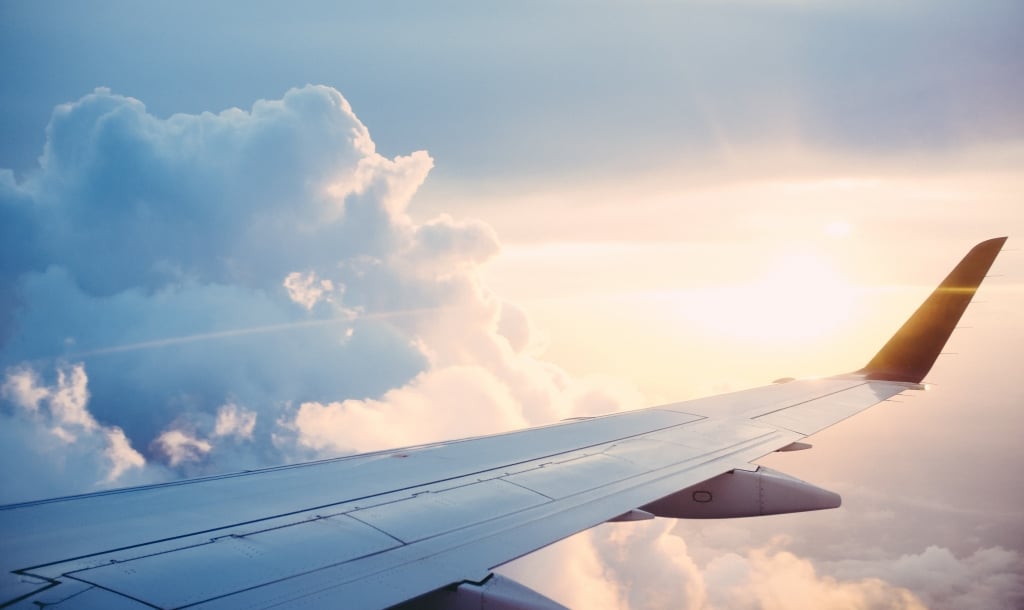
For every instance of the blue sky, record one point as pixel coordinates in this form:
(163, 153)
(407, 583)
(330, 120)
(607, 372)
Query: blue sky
(486, 217)
(542, 87)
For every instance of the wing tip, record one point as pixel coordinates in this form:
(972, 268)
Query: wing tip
(911, 352)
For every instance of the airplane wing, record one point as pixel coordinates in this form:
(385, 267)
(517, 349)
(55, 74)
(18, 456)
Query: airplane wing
(424, 526)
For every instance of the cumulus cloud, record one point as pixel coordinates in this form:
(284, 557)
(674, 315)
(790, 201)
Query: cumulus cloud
(56, 443)
(121, 455)
(571, 572)
(246, 288)
(65, 401)
(669, 576)
(179, 446)
(774, 579)
(306, 289)
(468, 399)
(23, 389)
(181, 260)
(233, 420)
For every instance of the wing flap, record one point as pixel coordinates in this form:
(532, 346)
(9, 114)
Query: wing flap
(431, 513)
(232, 563)
(813, 416)
(570, 477)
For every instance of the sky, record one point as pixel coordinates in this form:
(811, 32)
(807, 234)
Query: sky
(239, 235)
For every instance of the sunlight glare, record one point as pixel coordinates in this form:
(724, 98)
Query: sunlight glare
(801, 298)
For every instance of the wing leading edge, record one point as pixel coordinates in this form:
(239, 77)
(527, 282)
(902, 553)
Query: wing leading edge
(429, 523)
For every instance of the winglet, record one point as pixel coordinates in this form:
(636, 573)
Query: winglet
(911, 352)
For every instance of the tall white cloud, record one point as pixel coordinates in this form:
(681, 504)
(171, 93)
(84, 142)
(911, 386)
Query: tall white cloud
(246, 288)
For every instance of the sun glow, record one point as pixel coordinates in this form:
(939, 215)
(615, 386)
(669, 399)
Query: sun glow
(801, 297)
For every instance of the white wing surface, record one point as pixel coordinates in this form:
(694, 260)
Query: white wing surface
(426, 525)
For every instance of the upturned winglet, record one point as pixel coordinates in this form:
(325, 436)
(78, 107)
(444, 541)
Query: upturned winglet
(911, 352)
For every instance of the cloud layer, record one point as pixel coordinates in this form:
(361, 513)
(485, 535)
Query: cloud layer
(648, 566)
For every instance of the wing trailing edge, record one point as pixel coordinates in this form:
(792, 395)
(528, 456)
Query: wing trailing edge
(911, 352)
